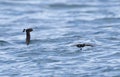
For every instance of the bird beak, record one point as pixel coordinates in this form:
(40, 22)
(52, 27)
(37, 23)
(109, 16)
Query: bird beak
(24, 30)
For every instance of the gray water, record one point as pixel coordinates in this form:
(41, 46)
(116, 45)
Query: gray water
(57, 26)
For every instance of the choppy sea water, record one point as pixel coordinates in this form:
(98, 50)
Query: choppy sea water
(58, 25)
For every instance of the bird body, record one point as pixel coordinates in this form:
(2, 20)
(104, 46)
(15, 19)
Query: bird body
(83, 45)
(28, 35)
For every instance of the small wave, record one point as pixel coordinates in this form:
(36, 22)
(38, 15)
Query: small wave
(4, 43)
(62, 5)
(36, 41)
(107, 20)
(112, 55)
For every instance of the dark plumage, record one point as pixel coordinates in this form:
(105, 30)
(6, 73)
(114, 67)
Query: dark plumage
(28, 35)
(83, 45)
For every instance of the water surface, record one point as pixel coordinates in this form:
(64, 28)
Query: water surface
(58, 25)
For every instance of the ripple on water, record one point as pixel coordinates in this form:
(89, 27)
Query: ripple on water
(4, 43)
(70, 6)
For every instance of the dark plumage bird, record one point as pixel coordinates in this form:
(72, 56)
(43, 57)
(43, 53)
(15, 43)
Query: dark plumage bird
(28, 35)
(82, 45)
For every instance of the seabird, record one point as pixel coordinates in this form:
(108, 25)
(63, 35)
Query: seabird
(28, 35)
(83, 45)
